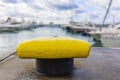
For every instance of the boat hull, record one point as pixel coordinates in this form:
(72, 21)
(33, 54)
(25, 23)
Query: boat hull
(110, 41)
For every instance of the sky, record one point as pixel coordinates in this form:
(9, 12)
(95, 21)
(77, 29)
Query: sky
(60, 11)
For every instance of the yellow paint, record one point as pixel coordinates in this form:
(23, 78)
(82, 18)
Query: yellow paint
(53, 48)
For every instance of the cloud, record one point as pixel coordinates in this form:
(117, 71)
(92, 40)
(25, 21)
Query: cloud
(116, 8)
(10, 1)
(65, 7)
(80, 11)
(60, 10)
(36, 7)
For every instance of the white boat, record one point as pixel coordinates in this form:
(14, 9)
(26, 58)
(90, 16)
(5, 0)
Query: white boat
(12, 25)
(80, 27)
(110, 40)
(105, 31)
(109, 37)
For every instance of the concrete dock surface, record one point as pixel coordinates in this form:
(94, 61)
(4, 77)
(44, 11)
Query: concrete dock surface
(102, 64)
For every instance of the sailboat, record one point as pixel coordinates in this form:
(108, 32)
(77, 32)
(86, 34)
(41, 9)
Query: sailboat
(110, 37)
(111, 40)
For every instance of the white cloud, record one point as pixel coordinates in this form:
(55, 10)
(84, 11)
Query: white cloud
(116, 3)
(59, 10)
(98, 3)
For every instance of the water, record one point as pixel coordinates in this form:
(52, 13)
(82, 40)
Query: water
(12, 39)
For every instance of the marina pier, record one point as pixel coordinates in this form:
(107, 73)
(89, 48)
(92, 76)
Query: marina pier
(102, 64)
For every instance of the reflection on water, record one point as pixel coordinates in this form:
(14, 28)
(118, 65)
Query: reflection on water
(8, 40)
(12, 39)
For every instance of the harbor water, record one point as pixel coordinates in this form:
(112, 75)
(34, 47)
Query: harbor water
(12, 39)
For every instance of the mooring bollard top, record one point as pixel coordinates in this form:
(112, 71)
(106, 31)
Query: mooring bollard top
(53, 48)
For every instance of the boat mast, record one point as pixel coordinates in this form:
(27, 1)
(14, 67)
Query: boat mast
(107, 11)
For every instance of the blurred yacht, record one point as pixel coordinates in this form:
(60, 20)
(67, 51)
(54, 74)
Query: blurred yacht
(80, 27)
(112, 40)
(105, 31)
(12, 25)
(110, 37)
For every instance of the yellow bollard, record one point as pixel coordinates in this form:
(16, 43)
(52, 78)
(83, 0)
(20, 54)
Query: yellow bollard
(51, 51)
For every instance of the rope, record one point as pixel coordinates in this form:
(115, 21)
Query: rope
(7, 56)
